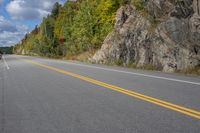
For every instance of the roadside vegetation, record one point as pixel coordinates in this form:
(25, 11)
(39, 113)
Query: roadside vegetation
(75, 28)
(191, 71)
(6, 50)
(71, 29)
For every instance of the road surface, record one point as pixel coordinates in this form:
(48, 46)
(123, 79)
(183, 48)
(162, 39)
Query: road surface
(52, 96)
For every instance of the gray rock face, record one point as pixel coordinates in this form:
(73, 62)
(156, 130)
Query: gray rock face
(196, 6)
(182, 9)
(175, 8)
(157, 8)
(170, 45)
(130, 40)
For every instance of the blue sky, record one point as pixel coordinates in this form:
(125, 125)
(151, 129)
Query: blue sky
(17, 17)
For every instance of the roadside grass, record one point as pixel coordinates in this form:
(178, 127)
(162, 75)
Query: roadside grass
(85, 56)
(191, 71)
(82, 57)
(132, 65)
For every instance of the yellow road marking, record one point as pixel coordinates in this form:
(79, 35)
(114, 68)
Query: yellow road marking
(178, 108)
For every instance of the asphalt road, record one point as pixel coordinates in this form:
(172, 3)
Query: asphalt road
(51, 96)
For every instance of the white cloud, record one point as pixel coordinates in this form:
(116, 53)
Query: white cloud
(11, 34)
(6, 25)
(30, 9)
(20, 10)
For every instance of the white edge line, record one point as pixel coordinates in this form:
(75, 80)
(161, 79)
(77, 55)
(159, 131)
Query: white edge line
(4, 60)
(133, 73)
(138, 74)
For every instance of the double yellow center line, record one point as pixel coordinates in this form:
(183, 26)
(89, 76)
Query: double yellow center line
(178, 108)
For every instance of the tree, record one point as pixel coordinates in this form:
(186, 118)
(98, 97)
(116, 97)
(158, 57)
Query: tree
(55, 10)
(83, 24)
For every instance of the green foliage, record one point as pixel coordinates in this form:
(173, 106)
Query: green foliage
(139, 4)
(124, 2)
(6, 50)
(55, 10)
(83, 25)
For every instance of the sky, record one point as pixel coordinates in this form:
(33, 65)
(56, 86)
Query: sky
(18, 17)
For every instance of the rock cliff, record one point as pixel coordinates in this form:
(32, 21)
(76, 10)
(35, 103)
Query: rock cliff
(166, 35)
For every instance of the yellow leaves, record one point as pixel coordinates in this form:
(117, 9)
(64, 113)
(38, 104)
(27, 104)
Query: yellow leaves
(105, 6)
(105, 11)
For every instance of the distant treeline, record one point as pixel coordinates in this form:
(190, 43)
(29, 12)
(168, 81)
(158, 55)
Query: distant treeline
(6, 50)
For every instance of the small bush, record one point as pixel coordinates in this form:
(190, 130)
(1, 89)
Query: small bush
(131, 65)
(118, 62)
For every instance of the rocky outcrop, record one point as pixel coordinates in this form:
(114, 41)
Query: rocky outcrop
(171, 44)
(157, 8)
